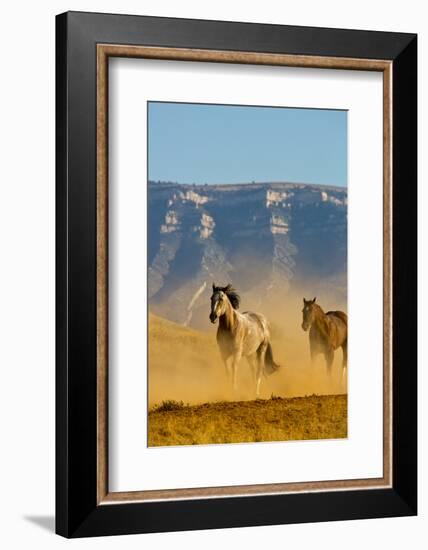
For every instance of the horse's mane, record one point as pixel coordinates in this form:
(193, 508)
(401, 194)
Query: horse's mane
(231, 293)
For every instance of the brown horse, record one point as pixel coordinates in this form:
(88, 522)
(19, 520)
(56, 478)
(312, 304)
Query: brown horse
(327, 332)
(241, 335)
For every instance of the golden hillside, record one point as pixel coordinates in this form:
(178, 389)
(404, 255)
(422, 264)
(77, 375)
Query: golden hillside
(275, 419)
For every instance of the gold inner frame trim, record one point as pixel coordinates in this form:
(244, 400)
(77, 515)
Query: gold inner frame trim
(104, 51)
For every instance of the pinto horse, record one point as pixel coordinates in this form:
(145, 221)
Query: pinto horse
(241, 335)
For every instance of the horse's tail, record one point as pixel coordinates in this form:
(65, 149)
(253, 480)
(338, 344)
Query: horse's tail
(270, 365)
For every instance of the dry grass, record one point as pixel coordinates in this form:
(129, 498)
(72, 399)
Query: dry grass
(275, 419)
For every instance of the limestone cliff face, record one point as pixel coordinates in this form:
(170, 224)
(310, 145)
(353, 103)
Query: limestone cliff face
(262, 237)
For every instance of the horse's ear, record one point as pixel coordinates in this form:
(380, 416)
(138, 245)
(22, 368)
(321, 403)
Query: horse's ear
(305, 301)
(313, 301)
(227, 287)
(213, 287)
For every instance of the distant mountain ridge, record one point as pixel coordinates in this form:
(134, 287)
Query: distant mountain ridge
(262, 237)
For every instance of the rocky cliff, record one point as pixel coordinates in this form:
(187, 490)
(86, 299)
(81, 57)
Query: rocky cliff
(265, 238)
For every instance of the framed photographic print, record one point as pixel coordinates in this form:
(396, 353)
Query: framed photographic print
(236, 274)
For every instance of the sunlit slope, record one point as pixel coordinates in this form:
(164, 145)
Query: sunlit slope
(275, 419)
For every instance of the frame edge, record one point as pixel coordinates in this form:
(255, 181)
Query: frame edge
(404, 241)
(399, 501)
(61, 267)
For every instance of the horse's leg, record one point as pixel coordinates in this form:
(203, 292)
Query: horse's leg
(345, 358)
(251, 359)
(329, 358)
(228, 367)
(315, 351)
(313, 348)
(235, 361)
(226, 361)
(261, 353)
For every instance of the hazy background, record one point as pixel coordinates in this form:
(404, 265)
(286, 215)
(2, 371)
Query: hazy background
(185, 364)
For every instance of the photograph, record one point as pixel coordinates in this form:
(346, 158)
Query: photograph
(247, 252)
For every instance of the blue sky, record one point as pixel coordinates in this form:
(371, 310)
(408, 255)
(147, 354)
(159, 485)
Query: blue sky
(194, 143)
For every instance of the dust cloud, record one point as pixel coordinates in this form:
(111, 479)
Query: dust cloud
(185, 364)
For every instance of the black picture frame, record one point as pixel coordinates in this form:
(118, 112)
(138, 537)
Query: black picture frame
(77, 511)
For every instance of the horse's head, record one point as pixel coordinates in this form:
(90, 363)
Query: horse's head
(218, 303)
(308, 313)
(220, 299)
